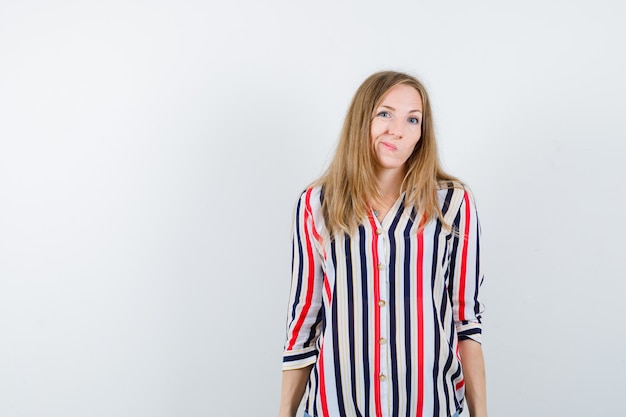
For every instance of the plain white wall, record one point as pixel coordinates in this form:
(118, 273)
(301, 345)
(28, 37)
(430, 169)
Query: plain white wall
(151, 153)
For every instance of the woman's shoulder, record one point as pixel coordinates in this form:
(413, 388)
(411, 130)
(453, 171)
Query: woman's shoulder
(309, 210)
(312, 193)
(451, 184)
(310, 200)
(453, 196)
(454, 187)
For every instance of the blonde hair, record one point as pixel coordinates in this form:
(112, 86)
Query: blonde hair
(350, 183)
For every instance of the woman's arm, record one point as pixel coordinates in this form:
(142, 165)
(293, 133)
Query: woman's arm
(304, 324)
(474, 372)
(464, 286)
(294, 383)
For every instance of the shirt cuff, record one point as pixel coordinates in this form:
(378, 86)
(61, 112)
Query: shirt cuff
(301, 358)
(469, 330)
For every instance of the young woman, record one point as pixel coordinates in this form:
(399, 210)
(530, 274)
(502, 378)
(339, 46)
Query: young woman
(384, 315)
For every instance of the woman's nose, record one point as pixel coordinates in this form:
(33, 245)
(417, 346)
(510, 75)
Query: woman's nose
(396, 128)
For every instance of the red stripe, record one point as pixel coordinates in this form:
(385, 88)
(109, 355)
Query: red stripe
(309, 248)
(377, 382)
(323, 383)
(420, 321)
(327, 289)
(314, 229)
(460, 384)
(311, 276)
(464, 260)
(316, 235)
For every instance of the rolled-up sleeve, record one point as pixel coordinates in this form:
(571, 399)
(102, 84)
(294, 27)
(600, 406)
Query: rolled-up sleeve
(304, 316)
(466, 274)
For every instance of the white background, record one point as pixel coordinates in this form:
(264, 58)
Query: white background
(151, 153)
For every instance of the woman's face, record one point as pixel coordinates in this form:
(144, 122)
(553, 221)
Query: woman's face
(396, 127)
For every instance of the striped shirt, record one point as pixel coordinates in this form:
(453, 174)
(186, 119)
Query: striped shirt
(380, 313)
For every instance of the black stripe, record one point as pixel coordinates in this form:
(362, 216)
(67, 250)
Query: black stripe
(408, 322)
(478, 277)
(293, 358)
(437, 346)
(448, 364)
(319, 320)
(451, 288)
(456, 374)
(446, 202)
(335, 330)
(300, 256)
(314, 387)
(351, 320)
(364, 305)
(393, 349)
(453, 255)
(443, 309)
(466, 333)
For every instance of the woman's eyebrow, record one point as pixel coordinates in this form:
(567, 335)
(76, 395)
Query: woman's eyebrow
(392, 109)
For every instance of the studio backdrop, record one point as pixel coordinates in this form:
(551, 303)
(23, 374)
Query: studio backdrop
(151, 153)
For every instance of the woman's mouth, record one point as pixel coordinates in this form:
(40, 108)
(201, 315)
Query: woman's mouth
(389, 146)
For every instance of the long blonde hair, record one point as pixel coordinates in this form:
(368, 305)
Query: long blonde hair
(350, 183)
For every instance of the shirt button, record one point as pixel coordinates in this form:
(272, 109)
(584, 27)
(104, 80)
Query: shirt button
(381, 267)
(381, 303)
(382, 341)
(382, 377)
(379, 231)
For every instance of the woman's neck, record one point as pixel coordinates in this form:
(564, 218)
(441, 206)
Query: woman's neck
(390, 183)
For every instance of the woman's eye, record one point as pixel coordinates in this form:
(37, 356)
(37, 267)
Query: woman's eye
(383, 114)
(414, 120)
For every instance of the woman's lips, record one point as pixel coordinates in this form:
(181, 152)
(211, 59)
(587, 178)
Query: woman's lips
(389, 146)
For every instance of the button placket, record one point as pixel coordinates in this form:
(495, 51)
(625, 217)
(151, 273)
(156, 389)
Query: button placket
(383, 291)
